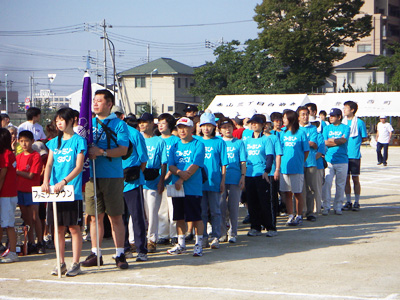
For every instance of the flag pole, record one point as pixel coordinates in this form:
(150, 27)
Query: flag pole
(57, 241)
(96, 215)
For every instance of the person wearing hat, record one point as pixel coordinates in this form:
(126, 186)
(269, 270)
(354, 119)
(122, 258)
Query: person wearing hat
(336, 136)
(191, 110)
(260, 156)
(215, 162)
(383, 135)
(154, 180)
(358, 134)
(119, 112)
(186, 157)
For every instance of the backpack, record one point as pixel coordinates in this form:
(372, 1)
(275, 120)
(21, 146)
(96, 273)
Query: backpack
(111, 135)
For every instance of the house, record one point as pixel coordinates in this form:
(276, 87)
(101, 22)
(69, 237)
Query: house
(357, 74)
(164, 83)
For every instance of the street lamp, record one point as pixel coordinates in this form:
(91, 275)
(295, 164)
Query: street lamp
(113, 61)
(151, 89)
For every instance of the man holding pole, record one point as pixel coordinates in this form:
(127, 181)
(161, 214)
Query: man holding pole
(110, 143)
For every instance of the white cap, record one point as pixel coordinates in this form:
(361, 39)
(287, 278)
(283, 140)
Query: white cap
(185, 121)
(382, 117)
(247, 113)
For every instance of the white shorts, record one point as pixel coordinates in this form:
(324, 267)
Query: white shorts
(7, 211)
(291, 183)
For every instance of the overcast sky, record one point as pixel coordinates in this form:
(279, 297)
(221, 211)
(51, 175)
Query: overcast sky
(42, 37)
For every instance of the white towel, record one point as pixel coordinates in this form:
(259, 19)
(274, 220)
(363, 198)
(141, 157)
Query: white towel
(353, 127)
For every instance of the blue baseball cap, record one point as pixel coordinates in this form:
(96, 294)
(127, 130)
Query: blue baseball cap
(207, 118)
(335, 112)
(146, 117)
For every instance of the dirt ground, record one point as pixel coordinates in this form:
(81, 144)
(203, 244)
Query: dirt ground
(353, 256)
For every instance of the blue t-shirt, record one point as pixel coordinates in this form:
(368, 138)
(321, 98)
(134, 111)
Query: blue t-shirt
(294, 146)
(64, 161)
(257, 150)
(322, 127)
(247, 133)
(138, 156)
(183, 155)
(236, 154)
(354, 143)
(337, 154)
(170, 141)
(157, 152)
(321, 149)
(215, 158)
(312, 135)
(277, 147)
(106, 168)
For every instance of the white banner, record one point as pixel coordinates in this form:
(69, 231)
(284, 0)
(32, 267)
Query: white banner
(66, 195)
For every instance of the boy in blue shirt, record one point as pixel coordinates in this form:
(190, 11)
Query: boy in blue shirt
(358, 134)
(185, 160)
(336, 136)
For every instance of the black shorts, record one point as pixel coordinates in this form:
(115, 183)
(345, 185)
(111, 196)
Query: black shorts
(354, 167)
(68, 213)
(187, 208)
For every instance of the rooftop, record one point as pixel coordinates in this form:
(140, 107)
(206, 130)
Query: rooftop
(164, 66)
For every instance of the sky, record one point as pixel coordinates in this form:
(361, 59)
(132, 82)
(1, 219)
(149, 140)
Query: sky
(38, 38)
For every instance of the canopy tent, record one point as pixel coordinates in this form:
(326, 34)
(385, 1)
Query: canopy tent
(369, 104)
(247, 105)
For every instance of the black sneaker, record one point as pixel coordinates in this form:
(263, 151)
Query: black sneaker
(121, 263)
(189, 237)
(385, 164)
(246, 220)
(347, 206)
(91, 261)
(32, 249)
(311, 218)
(174, 241)
(41, 248)
(356, 206)
(163, 241)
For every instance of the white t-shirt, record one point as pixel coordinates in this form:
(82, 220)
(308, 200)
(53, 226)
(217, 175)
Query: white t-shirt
(384, 130)
(36, 129)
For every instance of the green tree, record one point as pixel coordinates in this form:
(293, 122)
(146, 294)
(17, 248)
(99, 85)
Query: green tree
(391, 65)
(303, 36)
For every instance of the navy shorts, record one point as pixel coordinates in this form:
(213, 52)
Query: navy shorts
(354, 167)
(26, 199)
(187, 208)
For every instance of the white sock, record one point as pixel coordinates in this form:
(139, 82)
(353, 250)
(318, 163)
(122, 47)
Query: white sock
(181, 240)
(119, 251)
(348, 197)
(199, 240)
(94, 250)
(357, 197)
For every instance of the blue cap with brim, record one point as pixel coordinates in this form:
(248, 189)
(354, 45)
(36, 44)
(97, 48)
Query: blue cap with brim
(207, 118)
(256, 119)
(335, 112)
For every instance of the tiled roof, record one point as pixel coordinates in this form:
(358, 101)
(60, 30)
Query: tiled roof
(164, 66)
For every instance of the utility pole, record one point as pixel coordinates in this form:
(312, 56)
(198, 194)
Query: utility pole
(148, 53)
(105, 54)
(6, 95)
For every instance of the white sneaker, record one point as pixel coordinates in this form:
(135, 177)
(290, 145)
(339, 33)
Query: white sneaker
(223, 239)
(254, 232)
(10, 257)
(271, 233)
(232, 239)
(177, 249)
(214, 244)
(141, 257)
(197, 250)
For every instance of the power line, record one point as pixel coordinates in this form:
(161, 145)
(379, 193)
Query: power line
(185, 25)
(47, 31)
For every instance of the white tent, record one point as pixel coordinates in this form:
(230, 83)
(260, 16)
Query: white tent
(369, 104)
(76, 97)
(247, 105)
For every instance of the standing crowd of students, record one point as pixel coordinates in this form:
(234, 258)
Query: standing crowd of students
(180, 179)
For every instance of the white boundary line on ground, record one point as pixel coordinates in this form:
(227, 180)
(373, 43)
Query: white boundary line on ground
(207, 289)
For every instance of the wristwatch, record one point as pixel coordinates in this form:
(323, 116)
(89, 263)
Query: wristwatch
(105, 153)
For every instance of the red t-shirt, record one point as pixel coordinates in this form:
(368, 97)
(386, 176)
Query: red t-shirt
(7, 160)
(30, 163)
(237, 133)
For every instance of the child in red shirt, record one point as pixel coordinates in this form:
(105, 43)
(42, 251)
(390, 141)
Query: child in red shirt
(8, 194)
(29, 168)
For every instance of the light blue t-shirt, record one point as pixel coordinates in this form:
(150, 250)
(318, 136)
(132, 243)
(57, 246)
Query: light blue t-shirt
(215, 157)
(247, 133)
(183, 155)
(65, 161)
(294, 146)
(157, 152)
(354, 143)
(312, 135)
(138, 156)
(277, 147)
(236, 154)
(106, 168)
(337, 154)
(170, 141)
(257, 150)
(321, 149)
